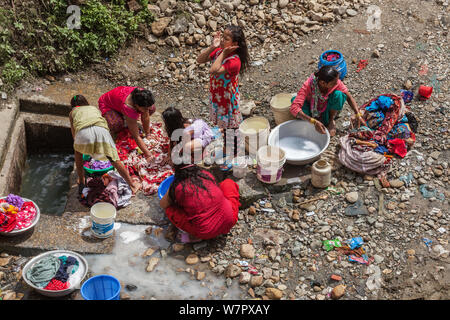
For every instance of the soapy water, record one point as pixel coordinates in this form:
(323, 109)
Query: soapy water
(166, 281)
(298, 148)
(45, 180)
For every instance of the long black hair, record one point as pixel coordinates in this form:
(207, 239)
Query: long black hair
(191, 174)
(327, 73)
(142, 97)
(237, 35)
(173, 120)
(78, 100)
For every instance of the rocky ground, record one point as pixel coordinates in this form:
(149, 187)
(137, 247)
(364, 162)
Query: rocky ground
(275, 250)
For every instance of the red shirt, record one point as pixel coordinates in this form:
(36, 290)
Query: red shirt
(115, 100)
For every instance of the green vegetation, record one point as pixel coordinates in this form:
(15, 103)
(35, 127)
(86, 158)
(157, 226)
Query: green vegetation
(35, 39)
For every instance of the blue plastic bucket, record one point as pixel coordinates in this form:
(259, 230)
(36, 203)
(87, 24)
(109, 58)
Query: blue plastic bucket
(339, 64)
(101, 287)
(164, 186)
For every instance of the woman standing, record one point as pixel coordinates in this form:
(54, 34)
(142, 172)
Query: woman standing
(229, 56)
(123, 106)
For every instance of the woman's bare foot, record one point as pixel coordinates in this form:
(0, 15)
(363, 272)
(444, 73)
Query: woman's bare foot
(332, 128)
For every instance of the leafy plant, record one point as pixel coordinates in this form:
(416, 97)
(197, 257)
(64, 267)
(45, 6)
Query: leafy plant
(38, 40)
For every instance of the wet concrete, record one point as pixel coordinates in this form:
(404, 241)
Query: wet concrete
(69, 232)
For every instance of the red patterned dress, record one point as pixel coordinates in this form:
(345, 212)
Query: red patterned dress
(224, 90)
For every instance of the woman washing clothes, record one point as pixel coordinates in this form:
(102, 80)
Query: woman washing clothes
(199, 207)
(123, 106)
(321, 99)
(91, 137)
(196, 134)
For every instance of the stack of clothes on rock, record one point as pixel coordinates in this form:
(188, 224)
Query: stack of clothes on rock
(389, 132)
(151, 173)
(110, 187)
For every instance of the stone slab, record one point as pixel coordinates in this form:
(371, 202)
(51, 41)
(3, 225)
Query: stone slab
(43, 105)
(71, 231)
(142, 209)
(8, 116)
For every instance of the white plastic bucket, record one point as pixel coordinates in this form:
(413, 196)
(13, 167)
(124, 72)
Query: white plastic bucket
(255, 131)
(239, 167)
(270, 162)
(102, 216)
(280, 105)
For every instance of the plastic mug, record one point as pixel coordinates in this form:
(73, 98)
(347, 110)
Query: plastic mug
(425, 92)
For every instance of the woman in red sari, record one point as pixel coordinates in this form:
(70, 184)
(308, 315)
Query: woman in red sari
(197, 205)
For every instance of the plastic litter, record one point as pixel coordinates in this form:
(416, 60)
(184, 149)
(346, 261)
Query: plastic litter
(334, 190)
(425, 92)
(355, 243)
(362, 64)
(407, 179)
(428, 243)
(331, 244)
(362, 260)
(358, 208)
(423, 70)
(430, 192)
(407, 95)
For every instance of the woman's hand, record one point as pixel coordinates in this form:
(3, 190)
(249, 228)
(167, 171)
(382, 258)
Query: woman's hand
(359, 120)
(229, 50)
(319, 126)
(217, 39)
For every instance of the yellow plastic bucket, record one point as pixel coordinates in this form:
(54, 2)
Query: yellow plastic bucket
(280, 105)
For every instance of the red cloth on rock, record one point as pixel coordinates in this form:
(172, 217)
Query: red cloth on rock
(206, 215)
(397, 146)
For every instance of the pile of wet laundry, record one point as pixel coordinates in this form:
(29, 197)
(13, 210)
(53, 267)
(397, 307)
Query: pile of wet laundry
(152, 173)
(390, 132)
(110, 187)
(53, 273)
(16, 213)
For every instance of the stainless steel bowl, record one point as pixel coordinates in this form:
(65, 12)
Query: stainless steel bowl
(21, 231)
(74, 279)
(300, 141)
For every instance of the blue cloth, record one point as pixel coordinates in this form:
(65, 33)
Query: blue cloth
(404, 119)
(381, 149)
(62, 274)
(382, 103)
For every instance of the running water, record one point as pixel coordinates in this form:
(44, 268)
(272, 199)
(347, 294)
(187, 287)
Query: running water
(45, 180)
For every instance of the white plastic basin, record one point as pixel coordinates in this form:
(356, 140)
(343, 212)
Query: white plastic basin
(300, 141)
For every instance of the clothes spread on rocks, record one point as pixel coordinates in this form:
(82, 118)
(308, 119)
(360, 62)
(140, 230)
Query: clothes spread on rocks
(370, 149)
(151, 173)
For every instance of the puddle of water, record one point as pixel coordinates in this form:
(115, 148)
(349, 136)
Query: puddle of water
(45, 180)
(164, 282)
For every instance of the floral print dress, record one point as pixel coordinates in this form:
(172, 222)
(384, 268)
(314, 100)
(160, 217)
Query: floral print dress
(224, 91)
